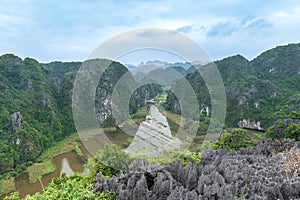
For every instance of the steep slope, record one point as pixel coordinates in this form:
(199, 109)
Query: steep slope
(281, 67)
(259, 90)
(29, 120)
(36, 105)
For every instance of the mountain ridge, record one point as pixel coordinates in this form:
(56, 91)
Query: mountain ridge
(258, 90)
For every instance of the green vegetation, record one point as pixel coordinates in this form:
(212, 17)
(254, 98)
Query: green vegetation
(140, 114)
(272, 133)
(174, 155)
(7, 186)
(37, 170)
(36, 107)
(36, 113)
(287, 127)
(71, 143)
(72, 187)
(295, 115)
(45, 165)
(263, 89)
(113, 156)
(234, 140)
(162, 97)
(293, 131)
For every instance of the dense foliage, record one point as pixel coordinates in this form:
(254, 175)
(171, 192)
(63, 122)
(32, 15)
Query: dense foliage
(234, 140)
(260, 90)
(36, 106)
(287, 127)
(72, 187)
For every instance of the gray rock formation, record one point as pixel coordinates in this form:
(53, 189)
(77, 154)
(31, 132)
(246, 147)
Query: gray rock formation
(251, 173)
(16, 120)
(248, 124)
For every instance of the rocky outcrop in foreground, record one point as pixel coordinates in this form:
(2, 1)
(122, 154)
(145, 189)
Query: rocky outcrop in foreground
(252, 173)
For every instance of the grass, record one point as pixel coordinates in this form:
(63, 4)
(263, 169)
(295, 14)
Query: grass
(161, 98)
(69, 144)
(109, 129)
(7, 186)
(256, 136)
(46, 166)
(140, 115)
(119, 138)
(176, 118)
(37, 170)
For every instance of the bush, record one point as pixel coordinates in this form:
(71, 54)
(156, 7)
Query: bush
(172, 156)
(72, 187)
(13, 196)
(113, 156)
(292, 131)
(272, 133)
(234, 140)
(294, 115)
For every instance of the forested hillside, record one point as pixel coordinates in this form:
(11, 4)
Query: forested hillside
(264, 89)
(35, 106)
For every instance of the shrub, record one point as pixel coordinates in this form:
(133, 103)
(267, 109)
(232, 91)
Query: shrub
(272, 133)
(292, 131)
(294, 115)
(234, 140)
(115, 157)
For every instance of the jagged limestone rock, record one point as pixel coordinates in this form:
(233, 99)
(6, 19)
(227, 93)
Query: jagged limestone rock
(16, 120)
(250, 173)
(246, 123)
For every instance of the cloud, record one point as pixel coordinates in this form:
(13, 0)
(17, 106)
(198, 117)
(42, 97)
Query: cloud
(70, 30)
(248, 23)
(185, 29)
(223, 29)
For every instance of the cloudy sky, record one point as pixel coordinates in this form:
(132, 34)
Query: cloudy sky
(71, 30)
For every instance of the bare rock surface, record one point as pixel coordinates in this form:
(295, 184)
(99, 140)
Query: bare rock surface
(250, 173)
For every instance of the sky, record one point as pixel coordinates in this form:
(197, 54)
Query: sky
(70, 30)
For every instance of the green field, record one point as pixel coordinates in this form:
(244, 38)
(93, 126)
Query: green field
(161, 98)
(37, 170)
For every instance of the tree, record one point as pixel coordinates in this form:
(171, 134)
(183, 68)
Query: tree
(114, 156)
(234, 140)
(292, 131)
(294, 115)
(272, 133)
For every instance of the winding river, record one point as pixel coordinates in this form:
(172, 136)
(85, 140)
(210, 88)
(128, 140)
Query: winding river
(152, 137)
(67, 163)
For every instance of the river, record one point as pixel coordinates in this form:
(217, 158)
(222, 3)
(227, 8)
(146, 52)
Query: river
(153, 135)
(68, 163)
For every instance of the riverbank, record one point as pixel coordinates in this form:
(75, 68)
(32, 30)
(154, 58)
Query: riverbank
(47, 167)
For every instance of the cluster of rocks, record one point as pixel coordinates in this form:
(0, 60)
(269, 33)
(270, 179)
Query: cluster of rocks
(250, 173)
(250, 125)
